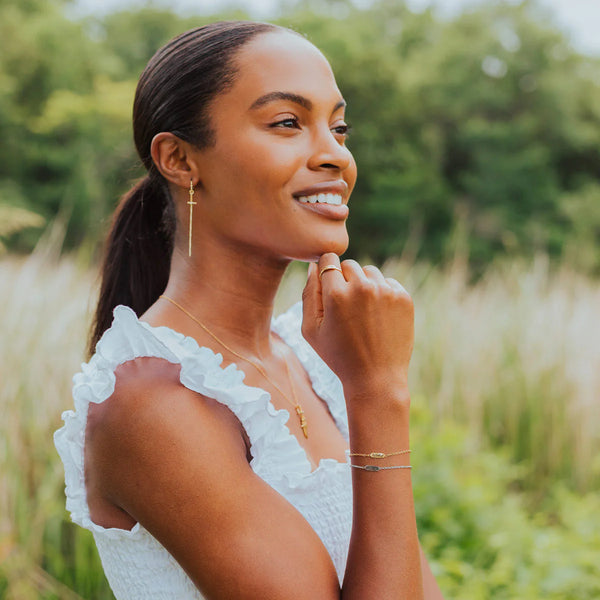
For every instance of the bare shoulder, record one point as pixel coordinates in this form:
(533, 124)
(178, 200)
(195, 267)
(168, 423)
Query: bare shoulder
(147, 388)
(176, 462)
(149, 415)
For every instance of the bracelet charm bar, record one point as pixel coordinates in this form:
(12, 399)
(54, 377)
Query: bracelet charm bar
(375, 468)
(378, 454)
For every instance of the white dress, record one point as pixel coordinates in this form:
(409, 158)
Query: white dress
(136, 565)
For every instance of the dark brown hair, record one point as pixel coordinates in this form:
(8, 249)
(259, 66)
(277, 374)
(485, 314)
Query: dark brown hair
(173, 94)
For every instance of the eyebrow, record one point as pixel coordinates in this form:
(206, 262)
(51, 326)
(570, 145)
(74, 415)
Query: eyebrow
(296, 98)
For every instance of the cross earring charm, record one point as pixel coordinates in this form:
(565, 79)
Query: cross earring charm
(191, 203)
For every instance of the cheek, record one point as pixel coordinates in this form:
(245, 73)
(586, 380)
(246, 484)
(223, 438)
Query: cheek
(352, 173)
(262, 158)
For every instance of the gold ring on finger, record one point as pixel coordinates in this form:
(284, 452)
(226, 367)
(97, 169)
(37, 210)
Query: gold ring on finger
(327, 267)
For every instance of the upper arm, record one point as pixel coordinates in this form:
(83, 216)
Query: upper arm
(178, 466)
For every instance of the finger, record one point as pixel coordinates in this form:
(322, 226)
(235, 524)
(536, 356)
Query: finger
(394, 283)
(330, 277)
(374, 274)
(353, 270)
(312, 300)
(328, 259)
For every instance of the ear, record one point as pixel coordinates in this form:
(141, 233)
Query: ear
(174, 159)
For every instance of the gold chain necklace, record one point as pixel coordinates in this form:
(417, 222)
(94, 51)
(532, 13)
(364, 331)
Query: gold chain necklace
(259, 368)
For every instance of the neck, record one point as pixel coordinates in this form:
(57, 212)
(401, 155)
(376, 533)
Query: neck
(229, 290)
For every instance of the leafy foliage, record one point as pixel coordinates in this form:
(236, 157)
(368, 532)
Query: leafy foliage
(484, 541)
(499, 136)
(495, 132)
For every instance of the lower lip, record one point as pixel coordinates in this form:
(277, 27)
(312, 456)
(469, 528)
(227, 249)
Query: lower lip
(338, 212)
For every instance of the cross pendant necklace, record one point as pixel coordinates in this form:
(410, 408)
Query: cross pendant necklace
(303, 425)
(259, 368)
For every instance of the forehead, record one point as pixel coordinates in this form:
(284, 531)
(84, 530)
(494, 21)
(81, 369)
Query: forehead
(281, 61)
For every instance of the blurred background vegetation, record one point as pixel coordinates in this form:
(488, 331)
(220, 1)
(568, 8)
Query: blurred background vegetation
(488, 123)
(478, 145)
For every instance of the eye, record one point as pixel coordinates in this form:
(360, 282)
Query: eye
(342, 129)
(285, 123)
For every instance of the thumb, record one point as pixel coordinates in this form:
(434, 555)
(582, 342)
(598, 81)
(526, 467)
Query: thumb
(312, 298)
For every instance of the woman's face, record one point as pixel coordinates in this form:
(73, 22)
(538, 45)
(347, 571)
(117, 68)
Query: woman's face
(279, 136)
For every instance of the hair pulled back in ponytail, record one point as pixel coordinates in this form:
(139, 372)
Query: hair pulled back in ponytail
(173, 94)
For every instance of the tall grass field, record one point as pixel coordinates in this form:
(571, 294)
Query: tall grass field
(505, 380)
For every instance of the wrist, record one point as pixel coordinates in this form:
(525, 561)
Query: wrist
(377, 391)
(384, 429)
(370, 407)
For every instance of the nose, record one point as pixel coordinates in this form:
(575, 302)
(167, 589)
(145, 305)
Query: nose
(328, 152)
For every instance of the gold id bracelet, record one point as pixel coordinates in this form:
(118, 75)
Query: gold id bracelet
(379, 454)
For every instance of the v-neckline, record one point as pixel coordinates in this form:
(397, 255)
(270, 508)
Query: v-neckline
(181, 339)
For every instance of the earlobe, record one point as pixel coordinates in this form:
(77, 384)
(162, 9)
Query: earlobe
(171, 158)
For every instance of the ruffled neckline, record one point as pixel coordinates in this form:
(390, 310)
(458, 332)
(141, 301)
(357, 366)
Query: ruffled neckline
(323, 380)
(277, 456)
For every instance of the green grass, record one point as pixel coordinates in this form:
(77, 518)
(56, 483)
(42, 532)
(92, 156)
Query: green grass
(516, 358)
(506, 385)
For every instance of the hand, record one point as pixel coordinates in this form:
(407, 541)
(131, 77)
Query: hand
(359, 322)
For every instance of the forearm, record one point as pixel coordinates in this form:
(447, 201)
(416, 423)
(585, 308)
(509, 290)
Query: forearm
(384, 559)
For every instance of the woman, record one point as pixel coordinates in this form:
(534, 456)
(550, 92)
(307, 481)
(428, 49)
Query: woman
(234, 481)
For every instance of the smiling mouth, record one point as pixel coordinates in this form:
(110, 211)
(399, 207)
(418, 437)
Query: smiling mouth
(325, 205)
(333, 199)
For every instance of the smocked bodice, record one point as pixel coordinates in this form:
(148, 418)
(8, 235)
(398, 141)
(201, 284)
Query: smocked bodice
(135, 563)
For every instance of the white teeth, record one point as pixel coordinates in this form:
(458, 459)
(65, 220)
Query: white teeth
(323, 198)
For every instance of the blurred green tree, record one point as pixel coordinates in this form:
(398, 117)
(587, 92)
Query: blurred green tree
(490, 118)
(42, 53)
(487, 124)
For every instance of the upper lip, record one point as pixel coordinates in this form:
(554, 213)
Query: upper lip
(325, 187)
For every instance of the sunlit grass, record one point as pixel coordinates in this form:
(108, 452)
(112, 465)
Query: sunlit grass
(515, 357)
(43, 320)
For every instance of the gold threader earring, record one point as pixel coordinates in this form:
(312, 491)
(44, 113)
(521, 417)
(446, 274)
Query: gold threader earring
(191, 203)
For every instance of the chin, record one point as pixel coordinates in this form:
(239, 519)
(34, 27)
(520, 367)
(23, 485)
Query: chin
(337, 246)
(338, 249)
(310, 250)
